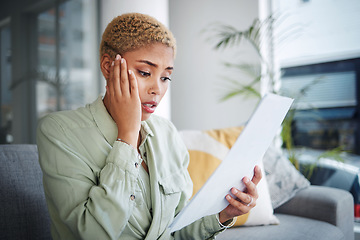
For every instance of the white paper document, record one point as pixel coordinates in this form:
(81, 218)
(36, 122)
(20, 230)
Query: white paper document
(248, 151)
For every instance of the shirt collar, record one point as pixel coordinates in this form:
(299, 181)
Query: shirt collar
(107, 125)
(146, 128)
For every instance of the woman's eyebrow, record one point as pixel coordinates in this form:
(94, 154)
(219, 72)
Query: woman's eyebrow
(153, 64)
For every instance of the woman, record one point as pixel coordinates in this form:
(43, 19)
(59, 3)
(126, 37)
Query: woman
(112, 170)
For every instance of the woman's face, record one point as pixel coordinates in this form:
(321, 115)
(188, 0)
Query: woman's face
(152, 66)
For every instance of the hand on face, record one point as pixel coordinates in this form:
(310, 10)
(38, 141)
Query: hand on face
(123, 102)
(132, 96)
(244, 201)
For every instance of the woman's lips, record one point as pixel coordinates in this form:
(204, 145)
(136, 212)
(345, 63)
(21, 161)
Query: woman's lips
(149, 106)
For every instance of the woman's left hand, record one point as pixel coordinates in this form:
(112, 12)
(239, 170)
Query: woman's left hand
(244, 201)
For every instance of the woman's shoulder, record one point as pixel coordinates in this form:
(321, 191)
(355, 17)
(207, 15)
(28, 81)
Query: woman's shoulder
(66, 120)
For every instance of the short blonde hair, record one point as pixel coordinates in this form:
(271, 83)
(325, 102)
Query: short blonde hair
(132, 31)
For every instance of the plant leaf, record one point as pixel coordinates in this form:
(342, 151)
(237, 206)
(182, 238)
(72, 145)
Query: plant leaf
(247, 90)
(252, 70)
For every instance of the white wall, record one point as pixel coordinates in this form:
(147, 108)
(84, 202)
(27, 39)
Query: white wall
(198, 77)
(198, 81)
(329, 31)
(155, 8)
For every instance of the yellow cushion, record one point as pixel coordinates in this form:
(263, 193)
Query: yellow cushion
(226, 136)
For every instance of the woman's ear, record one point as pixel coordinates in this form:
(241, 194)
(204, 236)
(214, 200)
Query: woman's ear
(105, 64)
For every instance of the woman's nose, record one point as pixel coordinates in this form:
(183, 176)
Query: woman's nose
(155, 87)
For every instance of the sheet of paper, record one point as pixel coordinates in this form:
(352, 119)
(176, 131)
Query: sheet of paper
(247, 152)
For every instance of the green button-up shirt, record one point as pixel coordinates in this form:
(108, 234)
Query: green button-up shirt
(94, 186)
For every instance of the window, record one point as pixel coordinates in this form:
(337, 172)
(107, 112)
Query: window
(328, 113)
(67, 57)
(49, 63)
(5, 81)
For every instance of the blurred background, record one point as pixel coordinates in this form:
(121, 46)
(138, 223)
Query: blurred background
(309, 49)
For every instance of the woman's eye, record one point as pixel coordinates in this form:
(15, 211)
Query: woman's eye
(144, 74)
(165, 79)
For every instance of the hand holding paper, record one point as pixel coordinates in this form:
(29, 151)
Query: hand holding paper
(247, 152)
(241, 202)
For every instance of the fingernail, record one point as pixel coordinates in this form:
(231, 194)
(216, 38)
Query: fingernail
(122, 60)
(117, 57)
(234, 191)
(112, 64)
(130, 72)
(246, 180)
(228, 197)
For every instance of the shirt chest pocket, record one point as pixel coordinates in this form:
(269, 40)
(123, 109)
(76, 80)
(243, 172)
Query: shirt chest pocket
(172, 189)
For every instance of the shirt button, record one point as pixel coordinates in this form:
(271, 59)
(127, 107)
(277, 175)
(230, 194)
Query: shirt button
(132, 197)
(136, 165)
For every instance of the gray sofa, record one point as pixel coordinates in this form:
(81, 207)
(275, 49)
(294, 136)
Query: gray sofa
(314, 213)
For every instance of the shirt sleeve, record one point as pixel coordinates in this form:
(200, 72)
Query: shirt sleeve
(205, 228)
(81, 204)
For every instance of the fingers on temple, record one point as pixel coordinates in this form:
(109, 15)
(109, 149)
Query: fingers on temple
(124, 80)
(116, 76)
(110, 81)
(133, 84)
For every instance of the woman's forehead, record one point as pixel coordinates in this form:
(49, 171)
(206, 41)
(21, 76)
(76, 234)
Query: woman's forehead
(154, 54)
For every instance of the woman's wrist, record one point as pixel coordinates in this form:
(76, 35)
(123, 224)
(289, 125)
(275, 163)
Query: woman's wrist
(226, 224)
(130, 140)
(222, 219)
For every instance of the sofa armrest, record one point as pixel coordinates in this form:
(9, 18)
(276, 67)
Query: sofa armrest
(332, 205)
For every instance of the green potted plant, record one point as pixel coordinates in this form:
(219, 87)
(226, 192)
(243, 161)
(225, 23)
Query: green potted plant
(258, 34)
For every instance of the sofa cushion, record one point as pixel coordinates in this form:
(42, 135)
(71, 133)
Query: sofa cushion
(332, 205)
(207, 149)
(23, 208)
(283, 178)
(291, 228)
